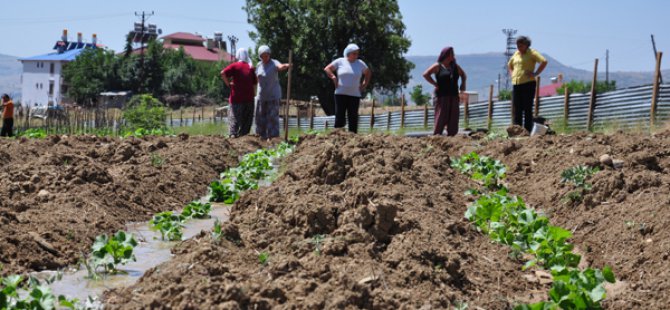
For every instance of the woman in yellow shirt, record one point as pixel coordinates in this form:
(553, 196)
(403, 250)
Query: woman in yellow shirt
(522, 70)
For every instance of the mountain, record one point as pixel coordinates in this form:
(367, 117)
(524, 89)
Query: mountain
(10, 75)
(483, 70)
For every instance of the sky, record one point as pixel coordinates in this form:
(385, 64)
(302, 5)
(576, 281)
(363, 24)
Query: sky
(574, 32)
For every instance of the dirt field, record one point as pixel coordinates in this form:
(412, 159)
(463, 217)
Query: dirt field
(355, 222)
(57, 194)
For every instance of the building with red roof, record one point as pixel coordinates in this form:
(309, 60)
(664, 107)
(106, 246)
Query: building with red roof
(552, 89)
(199, 48)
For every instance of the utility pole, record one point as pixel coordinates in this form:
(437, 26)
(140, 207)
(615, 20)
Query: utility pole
(509, 51)
(145, 16)
(653, 44)
(607, 67)
(233, 43)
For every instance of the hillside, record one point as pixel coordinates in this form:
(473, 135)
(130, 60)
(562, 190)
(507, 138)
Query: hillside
(10, 75)
(483, 70)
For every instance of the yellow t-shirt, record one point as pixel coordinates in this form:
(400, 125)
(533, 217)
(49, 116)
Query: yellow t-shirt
(524, 64)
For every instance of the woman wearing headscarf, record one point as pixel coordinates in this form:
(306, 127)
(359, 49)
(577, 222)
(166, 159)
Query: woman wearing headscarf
(446, 98)
(522, 70)
(348, 86)
(241, 79)
(269, 94)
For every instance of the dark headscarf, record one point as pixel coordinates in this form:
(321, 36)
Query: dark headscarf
(444, 53)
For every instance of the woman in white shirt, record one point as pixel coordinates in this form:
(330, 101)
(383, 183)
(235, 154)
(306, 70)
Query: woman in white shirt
(348, 86)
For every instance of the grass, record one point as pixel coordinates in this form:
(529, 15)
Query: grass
(204, 129)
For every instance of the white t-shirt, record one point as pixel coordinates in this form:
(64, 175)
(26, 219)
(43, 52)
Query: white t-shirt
(349, 76)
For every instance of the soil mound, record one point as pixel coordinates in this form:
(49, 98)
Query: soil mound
(58, 193)
(355, 221)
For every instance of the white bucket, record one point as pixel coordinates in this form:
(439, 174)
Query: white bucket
(539, 130)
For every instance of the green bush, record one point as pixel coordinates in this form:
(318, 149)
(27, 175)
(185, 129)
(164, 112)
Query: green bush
(145, 112)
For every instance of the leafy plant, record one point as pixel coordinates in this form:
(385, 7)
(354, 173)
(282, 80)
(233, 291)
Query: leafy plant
(196, 210)
(110, 252)
(263, 258)
(156, 160)
(481, 168)
(575, 289)
(39, 296)
(217, 231)
(169, 224)
(224, 191)
(34, 133)
(317, 240)
(506, 220)
(578, 176)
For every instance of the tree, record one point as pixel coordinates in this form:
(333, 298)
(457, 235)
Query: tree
(585, 87)
(92, 72)
(144, 111)
(318, 32)
(181, 76)
(418, 96)
(504, 94)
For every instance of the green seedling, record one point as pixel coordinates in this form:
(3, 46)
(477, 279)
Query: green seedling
(168, 224)
(575, 289)
(217, 231)
(481, 168)
(578, 176)
(196, 210)
(263, 258)
(39, 296)
(224, 191)
(156, 160)
(110, 252)
(317, 240)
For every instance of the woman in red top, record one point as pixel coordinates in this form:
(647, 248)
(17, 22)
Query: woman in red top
(7, 117)
(242, 86)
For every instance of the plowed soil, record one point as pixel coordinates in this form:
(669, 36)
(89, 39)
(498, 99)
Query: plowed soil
(58, 193)
(354, 222)
(622, 222)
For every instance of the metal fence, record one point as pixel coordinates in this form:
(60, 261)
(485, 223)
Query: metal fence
(625, 109)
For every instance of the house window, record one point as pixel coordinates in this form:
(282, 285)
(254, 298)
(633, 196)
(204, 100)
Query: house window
(41, 86)
(52, 67)
(51, 87)
(37, 85)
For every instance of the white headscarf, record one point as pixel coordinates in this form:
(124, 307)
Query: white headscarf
(350, 49)
(263, 49)
(243, 55)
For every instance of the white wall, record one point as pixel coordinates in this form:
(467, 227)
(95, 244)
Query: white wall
(35, 82)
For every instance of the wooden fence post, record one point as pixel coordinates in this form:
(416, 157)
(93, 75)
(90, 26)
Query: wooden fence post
(297, 117)
(537, 96)
(402, 111)
(288, 94)
(372, 116)
(592, 102)
(566, 107)
(490, 117)
(325, 126)
(311, 115)
(425, 115)
(654, 95)
(388, 121)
